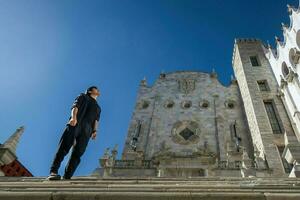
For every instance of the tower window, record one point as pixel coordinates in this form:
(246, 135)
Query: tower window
(263, 85)
(273, 119)
(254, 61)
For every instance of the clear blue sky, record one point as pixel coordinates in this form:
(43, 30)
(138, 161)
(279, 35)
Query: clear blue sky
(50, 51)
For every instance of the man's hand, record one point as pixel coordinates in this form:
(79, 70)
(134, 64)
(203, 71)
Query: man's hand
(73, 121)
(94, 135)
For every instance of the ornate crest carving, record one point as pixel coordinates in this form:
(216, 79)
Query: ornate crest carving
(186, 85)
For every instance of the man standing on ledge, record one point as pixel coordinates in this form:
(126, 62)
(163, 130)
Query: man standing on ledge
(82, 125)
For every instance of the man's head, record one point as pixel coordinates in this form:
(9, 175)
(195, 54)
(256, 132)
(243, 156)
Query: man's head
(93, 90)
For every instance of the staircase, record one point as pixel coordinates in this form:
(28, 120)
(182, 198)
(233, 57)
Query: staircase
(93, 188)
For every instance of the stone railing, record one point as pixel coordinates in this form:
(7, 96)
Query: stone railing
(230, 165)
(146, 164)
(236, 165)
(124, 164)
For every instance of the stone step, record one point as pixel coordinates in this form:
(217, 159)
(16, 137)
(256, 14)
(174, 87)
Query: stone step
(153, 188)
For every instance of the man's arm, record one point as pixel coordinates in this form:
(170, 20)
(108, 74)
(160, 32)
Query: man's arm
(95, 125)
(73, 120)
(94, 134)
(76, 104)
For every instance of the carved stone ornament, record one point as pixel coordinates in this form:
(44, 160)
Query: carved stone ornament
(186, 85)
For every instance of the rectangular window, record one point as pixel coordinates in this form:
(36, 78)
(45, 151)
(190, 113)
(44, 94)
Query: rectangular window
(263, 85)
(254, 61)
(273, 119)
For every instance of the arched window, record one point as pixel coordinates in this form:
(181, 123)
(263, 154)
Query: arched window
(294, 56)
(284, 69)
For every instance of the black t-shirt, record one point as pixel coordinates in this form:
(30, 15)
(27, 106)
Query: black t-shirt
(92, 111)
(88, 109)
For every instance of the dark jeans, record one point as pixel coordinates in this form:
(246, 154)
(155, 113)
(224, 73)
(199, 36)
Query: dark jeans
(77, 136)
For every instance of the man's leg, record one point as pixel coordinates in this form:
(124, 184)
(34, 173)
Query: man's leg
(78, 150)
(65, 143)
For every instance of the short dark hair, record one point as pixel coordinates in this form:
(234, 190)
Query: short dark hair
(90, 89)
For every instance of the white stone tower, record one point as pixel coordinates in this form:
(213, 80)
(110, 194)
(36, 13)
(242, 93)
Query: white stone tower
(285, 63)
(268, 121)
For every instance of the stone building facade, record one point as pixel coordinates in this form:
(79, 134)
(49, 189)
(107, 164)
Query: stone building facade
(187, 124)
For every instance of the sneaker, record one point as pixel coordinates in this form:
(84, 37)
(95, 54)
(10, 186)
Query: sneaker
(66, 178)
(54, 177)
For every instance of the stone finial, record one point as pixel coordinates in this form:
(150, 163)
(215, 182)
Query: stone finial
(104, 160)
(143, 82)
(283, 82)
(213, 73)
(114, 152)
(280, 93)
(283, 26)
(277, 39)
(245, 155)
(268, 45)
(290, 9)
(106, 153)
(13, 140)
(162, 75)
(233, 79)
(116, 146)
